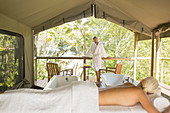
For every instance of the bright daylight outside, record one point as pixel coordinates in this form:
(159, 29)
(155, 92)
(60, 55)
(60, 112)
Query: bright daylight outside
(73, 39)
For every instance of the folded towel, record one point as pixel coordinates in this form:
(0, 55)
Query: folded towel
(112, 80)
(159, 101)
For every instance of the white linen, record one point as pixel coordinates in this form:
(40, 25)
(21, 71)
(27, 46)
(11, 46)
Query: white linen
(158, 101)
(112, 80)
(57, 81)
(77, 97)
(85, 98)
(122, 109)
(97, 50)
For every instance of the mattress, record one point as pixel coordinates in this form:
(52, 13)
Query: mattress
(122, 109)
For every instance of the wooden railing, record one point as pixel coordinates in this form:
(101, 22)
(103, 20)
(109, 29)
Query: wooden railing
(162, 67)
(90, 58)
(83, 58)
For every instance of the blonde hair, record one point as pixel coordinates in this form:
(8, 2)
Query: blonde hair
(149, 84)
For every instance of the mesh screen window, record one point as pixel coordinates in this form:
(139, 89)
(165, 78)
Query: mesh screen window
(11, 59)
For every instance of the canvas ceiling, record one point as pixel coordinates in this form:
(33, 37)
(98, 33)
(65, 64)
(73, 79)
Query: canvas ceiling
(137, 15)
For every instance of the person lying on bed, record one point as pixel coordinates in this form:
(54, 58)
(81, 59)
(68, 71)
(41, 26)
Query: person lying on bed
(129, 95)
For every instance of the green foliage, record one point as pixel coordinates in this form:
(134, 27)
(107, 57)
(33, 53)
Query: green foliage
(11, 61)
(164, 65)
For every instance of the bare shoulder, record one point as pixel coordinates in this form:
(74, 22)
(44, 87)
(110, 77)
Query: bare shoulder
(136, 90)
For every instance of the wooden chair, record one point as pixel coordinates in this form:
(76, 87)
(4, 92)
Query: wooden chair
(108, 69)
(54, 69)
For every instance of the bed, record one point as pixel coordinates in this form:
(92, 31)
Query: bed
(75, 97)
(112, 80)
(121, 109)
(102, 109)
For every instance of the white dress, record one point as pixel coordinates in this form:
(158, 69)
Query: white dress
(97, 50)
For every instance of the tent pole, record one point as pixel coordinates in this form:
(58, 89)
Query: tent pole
(35, 51)
(84, 69)
(152, 52)
(33, 41)
(94, 10)
(91, 9)
(135, 55)
(157, 57)
(162, 70)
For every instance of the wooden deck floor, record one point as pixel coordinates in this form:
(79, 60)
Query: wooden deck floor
(41, 83)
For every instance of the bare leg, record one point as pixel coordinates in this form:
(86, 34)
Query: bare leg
(97, 74)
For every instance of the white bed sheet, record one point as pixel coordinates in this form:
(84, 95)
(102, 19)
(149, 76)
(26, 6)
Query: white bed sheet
(121, 109)
(77, 97)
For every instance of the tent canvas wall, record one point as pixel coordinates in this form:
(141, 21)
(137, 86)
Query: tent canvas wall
(23, 17)
(12, 25)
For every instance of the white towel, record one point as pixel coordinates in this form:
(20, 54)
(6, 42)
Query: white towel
(85, 97)
(159, 102)
(77, 97)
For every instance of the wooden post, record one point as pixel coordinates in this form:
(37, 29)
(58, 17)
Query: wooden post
(135, 55)
(84, 70)
(33, 41)
(91, 9)
(152, 52)
(94, 11)
(84, 45)
(157, 57)
(35, 68)
(162, 70)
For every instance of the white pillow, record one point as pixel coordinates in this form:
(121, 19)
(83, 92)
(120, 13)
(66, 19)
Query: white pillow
(111, 79)
(159, 101)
